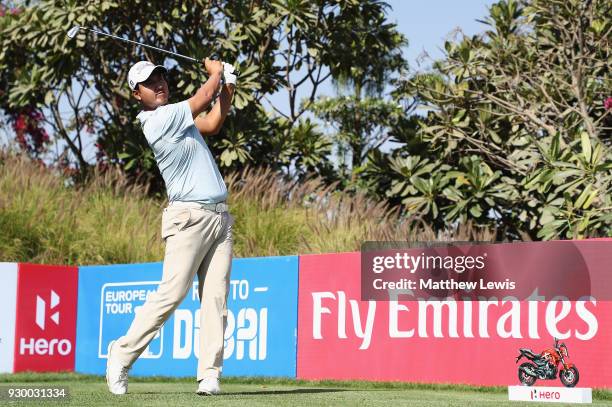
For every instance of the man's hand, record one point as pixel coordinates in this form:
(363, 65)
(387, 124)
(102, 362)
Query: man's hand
(206, 94)
(212, 67)
(211, 123)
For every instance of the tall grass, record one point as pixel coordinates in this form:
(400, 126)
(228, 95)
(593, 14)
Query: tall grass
(278, 217)
(43, 219)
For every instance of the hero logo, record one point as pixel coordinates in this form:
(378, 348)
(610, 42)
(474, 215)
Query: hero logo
(41, 310)
(545, 395)
(42, 346)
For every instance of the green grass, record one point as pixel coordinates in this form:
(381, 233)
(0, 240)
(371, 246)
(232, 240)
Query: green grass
(89, 390)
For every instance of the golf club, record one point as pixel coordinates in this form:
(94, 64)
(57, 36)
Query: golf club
(74, 30)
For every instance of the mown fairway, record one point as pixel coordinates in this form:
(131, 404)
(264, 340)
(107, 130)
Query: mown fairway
(246, 392)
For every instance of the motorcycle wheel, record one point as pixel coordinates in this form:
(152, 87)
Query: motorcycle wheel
(526, 379)
(569, 377)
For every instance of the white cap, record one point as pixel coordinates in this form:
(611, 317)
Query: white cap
(140, 72)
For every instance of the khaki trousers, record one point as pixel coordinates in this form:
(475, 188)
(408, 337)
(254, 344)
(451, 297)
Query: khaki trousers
(197, 241)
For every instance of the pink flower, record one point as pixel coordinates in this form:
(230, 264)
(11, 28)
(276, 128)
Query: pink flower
(36, 115)
(608, 103)
(44, 135)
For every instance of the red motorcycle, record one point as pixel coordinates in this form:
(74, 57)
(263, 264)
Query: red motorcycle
(544, 366)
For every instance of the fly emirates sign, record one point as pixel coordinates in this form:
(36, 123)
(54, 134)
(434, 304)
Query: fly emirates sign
(452, 319)
(411, 338)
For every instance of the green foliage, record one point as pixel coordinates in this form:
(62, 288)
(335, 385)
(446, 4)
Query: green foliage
(372, 46)
(360, 126)
(45, 220)
(514, 130)
(359, 116)
(279, 46)
(308, 151)
(507, 132)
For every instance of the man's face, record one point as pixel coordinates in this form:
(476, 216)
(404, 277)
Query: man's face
(153, 92)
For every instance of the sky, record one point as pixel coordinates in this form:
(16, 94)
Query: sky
(425, 23)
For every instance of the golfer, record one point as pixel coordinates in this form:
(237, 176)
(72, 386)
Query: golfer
(196, 227)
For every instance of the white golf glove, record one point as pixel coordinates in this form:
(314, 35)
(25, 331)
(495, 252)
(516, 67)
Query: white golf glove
(228, 67)
(228, 74)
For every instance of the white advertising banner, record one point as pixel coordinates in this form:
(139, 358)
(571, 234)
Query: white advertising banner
(550, 394)
(8, 304)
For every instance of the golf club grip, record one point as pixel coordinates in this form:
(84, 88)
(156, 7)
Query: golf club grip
(213, 58)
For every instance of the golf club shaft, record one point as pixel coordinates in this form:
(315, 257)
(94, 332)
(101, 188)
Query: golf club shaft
(144, 45)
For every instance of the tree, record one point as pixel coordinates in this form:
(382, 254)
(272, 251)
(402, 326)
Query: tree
(80, 84)
(360, 115)
(515, 130)
(25, 121)
(360, 126)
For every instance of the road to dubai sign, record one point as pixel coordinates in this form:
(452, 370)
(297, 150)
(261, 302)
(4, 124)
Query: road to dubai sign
(260, 337)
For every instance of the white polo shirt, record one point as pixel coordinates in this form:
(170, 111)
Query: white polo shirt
(186, 164)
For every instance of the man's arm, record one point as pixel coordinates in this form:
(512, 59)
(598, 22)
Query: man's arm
(205, 95)
(210, 124)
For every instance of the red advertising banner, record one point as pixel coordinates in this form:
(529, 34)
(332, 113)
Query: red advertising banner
(572, 270)
(45, 329)
(470, 342)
